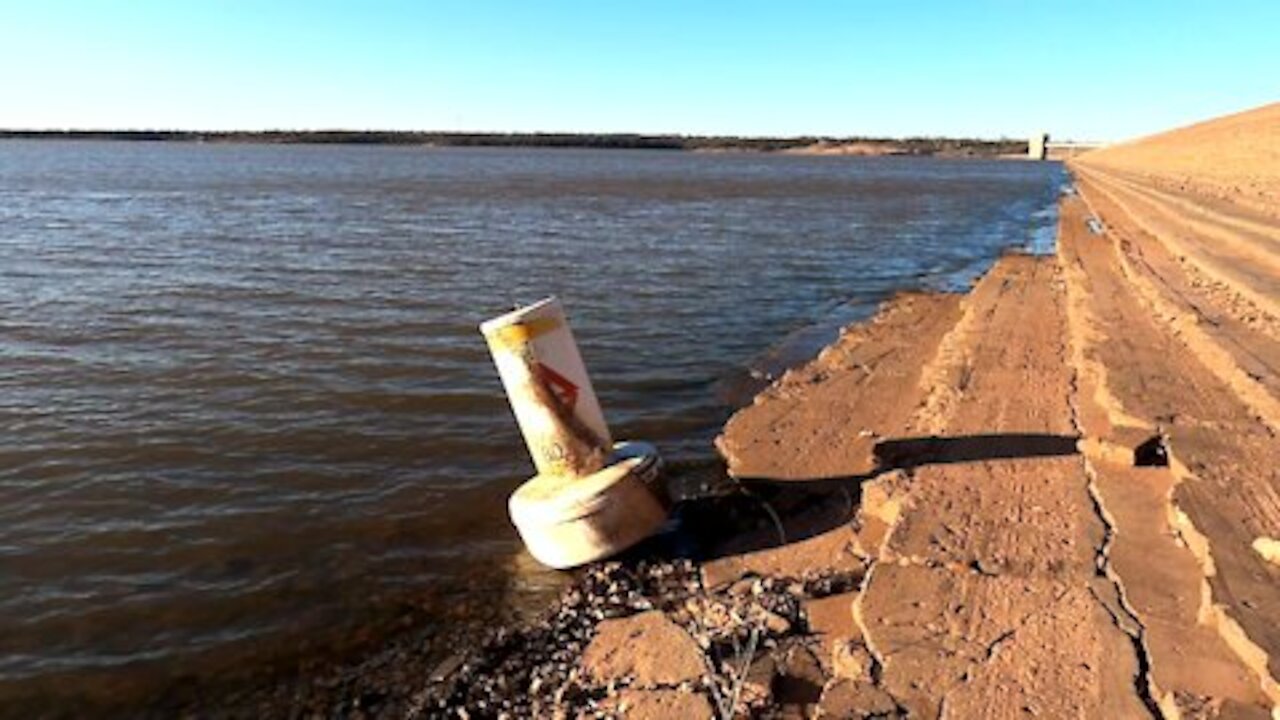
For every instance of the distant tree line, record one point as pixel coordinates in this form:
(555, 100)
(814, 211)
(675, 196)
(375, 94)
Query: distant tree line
(907, 146)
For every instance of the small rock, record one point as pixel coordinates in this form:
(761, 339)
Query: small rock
(757, 687)
(852, 699)
(831, 620)
(851, 660)
(800, 677)
(711, 615)
(834, 551)
(832, 616)
(1268, 548)
(447, 667)
(647, 648)
(658, 705)
(776, 624)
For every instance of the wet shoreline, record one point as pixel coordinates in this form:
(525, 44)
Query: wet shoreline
(732, 548)
(280, 388)
(411, 676)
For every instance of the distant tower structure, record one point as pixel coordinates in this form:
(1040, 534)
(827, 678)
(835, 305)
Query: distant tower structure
(1038, 146)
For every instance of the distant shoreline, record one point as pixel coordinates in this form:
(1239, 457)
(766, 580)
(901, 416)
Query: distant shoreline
(803, 145)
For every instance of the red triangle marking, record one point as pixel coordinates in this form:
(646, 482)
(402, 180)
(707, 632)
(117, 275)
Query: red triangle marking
(565, 391)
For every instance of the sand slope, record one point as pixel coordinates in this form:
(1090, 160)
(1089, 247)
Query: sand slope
(1233, 159)
(1009, 574)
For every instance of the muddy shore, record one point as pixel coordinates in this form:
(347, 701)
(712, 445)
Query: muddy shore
(1055, 496)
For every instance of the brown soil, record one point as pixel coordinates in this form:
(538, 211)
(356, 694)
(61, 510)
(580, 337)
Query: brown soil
(1009, 574)
(1138, 381)
(823, 420)
(999, 555)
(1233, 160)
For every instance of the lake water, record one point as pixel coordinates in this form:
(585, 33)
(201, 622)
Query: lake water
(244, 403)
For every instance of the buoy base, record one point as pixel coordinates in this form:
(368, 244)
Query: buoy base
(567, 522)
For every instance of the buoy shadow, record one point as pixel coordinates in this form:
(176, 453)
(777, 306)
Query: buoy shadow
(908, 453)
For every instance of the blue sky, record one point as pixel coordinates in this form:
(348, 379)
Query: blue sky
(1103, 70)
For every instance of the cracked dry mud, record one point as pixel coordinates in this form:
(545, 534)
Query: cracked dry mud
(1011, 574)
(987, 597)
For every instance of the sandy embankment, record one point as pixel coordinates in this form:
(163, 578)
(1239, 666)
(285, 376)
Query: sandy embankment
(1056, 496)
(983, 540)
(1232, 161)
(1135, 578)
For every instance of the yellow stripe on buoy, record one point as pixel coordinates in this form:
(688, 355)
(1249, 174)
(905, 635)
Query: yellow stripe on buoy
(517, 334)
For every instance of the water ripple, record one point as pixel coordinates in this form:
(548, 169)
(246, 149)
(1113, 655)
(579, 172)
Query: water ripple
(244, 394)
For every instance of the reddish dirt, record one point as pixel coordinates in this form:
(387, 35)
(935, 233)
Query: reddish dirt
(833, 552)
(1009, 574)
(823, 420)
(647, 649)
(986, 597)
(985, 590)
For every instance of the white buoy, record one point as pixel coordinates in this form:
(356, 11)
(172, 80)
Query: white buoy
(590, 498)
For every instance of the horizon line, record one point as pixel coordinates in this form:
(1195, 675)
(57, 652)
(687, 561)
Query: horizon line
(607, 133)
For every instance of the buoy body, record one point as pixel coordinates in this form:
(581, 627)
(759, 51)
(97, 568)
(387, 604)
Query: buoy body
(590, 498)
(567, 522)
(549, 390)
